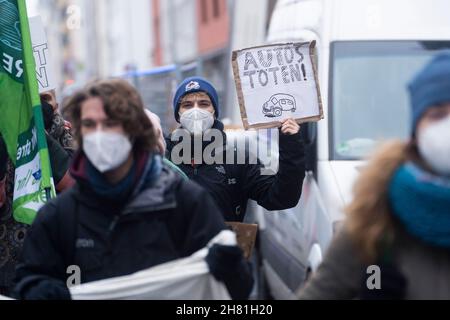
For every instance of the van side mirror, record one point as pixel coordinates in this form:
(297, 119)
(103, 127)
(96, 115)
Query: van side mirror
(308, 133)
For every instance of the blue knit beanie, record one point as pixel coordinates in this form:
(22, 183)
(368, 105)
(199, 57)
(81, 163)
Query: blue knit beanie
(191, 85)
(430, 87)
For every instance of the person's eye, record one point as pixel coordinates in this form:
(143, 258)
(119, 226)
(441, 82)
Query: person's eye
(87, 123)
(111, 123)
(437, 114)
(204, 104)
(186, 105)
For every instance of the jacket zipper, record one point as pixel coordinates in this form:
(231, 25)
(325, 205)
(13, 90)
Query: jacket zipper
(111, 228)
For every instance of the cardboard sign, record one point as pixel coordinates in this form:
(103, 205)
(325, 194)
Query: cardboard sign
(44, 70)
(245, 235)
(276, 82)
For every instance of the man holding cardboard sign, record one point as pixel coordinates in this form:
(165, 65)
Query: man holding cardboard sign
(231, 184)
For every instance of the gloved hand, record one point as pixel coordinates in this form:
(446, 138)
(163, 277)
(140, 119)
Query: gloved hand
(223, 260)
(47, 289)
(393, 284)
(227, 264)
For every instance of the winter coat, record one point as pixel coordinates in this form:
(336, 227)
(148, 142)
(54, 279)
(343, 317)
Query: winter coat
(169, 219)
(231, 185)
(343, 273)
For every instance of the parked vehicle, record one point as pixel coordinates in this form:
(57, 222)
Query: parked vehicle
(366, 52)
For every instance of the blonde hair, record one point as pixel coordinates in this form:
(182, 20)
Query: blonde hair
(369, 222)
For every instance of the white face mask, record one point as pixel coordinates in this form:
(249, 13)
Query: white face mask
(106, 150)
(196, 120)
(434, 146)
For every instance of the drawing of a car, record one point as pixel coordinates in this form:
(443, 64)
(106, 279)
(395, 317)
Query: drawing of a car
(278, 103)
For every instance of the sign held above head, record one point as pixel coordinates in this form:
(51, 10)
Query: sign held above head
(276, 82)
(44, 68)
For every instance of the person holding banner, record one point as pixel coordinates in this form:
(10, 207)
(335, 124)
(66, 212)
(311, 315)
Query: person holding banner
(196, 108)
(128, 210)
(12, 232)
(28, 182)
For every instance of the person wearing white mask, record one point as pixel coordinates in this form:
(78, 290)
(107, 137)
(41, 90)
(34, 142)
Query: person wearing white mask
(128, 210)
(196, 108)
(398, 223)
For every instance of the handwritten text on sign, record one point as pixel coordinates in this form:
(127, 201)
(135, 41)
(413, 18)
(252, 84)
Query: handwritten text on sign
(276, 82)
(274, 65)
(44, 70)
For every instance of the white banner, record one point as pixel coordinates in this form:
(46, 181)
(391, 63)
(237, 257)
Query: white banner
(182, 279)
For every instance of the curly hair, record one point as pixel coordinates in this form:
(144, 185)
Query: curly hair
(122, 103)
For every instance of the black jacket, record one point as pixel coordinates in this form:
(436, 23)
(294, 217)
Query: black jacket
(231, 185)
(171, 219)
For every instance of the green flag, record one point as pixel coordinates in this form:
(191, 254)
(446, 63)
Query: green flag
(21, 123)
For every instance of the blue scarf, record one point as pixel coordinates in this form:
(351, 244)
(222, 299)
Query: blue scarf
(121, 191)
(421, 201)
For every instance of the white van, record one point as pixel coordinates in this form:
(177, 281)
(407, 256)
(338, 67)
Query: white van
(367, 51)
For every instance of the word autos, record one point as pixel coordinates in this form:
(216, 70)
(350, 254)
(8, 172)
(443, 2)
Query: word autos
(274, 65)
(211, 148)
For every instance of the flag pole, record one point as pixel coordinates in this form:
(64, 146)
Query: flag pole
(32, 91)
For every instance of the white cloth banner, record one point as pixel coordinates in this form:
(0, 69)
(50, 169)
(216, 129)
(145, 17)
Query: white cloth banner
(186, 279)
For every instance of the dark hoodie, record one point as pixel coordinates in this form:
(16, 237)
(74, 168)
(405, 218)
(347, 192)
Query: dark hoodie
(231, 185)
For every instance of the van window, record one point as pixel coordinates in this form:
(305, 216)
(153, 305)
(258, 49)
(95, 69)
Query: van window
(368, 92)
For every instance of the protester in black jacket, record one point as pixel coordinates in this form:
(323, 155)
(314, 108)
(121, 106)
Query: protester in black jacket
(127, 211)
(231, 185)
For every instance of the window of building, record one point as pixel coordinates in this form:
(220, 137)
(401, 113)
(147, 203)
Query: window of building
(216, 8)
(204, 10)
